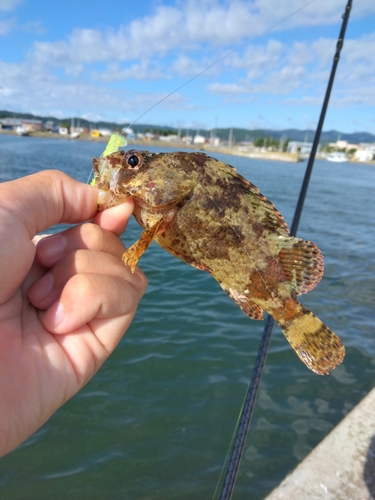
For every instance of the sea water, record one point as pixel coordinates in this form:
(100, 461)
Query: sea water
(157, 420)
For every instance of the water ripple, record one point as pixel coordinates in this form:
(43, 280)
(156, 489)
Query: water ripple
(157, 419)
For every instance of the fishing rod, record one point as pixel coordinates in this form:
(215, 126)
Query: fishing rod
(249, 405)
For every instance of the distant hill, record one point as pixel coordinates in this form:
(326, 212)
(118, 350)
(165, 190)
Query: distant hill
(86, 123)
(239, 134)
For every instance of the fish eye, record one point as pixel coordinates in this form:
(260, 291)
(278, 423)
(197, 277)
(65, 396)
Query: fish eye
(134, 160)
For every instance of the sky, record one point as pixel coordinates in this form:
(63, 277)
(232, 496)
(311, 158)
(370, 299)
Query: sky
(265, 63)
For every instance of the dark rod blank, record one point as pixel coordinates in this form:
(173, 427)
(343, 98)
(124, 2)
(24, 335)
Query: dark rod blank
(247, 411)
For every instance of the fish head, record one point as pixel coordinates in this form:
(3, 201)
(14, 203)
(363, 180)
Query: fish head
(157, 182)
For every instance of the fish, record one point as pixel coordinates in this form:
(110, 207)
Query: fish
(202, 211)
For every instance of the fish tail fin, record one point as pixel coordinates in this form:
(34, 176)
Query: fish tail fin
(303, 264)
(316, 345)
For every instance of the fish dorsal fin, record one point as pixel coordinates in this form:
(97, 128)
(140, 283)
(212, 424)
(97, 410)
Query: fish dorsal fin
(266, 212)
(303, 264)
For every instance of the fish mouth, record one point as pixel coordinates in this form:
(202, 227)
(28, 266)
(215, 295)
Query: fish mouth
(106, 180)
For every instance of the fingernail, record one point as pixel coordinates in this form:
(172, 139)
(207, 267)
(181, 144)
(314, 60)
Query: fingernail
(52, 247)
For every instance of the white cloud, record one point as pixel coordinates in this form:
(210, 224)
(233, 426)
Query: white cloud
(185, 28)
(10, 24)
(227, 88)
(6, 26)
(33, 28)
(302, 70)
(36, 90)
(318, 12)
(182, 40)
(8, 5)
(142, 71)
(187, 67)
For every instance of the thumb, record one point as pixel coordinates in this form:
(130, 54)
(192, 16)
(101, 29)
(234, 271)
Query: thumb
(50, 197)
(30, 205)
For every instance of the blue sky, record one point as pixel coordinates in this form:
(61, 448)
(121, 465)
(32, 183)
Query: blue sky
(114, 60)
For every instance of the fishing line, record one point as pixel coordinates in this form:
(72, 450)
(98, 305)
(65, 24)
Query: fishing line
(250, 400)
(208, 68)
(217, 61)
(229, 448)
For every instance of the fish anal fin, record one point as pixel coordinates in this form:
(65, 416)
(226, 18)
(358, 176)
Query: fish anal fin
(316, 345)
(245, 304)
(303, 264)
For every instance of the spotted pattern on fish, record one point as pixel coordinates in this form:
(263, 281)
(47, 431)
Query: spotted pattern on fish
(203, 212)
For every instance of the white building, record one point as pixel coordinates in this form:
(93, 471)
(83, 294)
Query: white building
(199, 139)
(31, 124)
(187, 139)
(215, 142)
(105, 132)
(365, 151)
(303, 148)
(169, 138)
(129, 133)
(343, 145)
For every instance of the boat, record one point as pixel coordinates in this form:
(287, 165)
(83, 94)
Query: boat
(337, 157)
(22, 130)
(74, 132)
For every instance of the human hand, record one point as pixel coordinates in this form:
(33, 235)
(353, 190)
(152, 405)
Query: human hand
(64, 304)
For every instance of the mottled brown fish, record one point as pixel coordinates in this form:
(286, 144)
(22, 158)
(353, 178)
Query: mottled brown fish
(200, 210)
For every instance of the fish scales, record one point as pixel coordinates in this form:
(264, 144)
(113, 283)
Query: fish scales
(202, 211)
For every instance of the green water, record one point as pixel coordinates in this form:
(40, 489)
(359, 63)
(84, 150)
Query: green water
(157, 420)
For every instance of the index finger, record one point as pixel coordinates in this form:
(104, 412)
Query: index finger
(115, 219)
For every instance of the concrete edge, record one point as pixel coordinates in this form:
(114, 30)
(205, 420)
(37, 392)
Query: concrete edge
(342, 466)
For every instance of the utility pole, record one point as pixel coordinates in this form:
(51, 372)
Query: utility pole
(230, 137)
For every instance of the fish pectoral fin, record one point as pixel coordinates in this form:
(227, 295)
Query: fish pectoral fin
(303, 264)
(316, 345)
(134, 253)
(245, 304)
